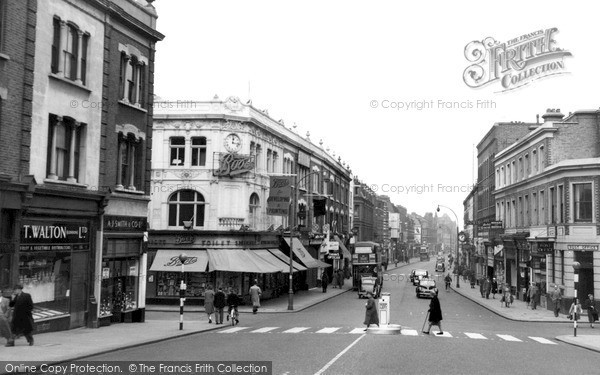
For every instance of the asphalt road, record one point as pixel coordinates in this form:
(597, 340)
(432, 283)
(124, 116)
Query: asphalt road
(328, 339)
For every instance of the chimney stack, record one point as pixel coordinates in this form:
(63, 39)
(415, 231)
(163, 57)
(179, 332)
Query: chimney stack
(552, 115)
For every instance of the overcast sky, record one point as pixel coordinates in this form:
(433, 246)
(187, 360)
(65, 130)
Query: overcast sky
(325, 65)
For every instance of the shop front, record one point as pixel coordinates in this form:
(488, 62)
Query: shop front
(218, 259)
(53, 267)
(122, 270)
(524, 262)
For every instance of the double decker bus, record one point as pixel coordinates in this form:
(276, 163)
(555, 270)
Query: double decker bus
(366, 261)
(424, 253)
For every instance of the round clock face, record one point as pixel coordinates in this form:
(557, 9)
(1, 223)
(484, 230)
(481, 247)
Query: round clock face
(233, 143)
(461, 237)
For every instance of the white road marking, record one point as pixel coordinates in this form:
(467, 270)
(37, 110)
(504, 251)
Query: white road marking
(264, 329)
(358, 330)
(234, 329)
(322, 370)
(328, 330)
(509, 338)
(475, 336)
(542, 340)
(445, 334)
(409, 332)
(296, 329)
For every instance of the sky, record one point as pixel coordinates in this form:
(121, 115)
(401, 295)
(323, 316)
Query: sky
(381, 83)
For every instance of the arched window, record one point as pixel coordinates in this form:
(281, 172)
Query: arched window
(186, 205)
(254, 209)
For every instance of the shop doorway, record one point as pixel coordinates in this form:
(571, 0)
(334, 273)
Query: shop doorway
(586, 274)
(79, 288)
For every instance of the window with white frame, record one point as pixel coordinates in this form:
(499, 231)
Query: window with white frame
(513, 172)
(254, 211)
(69, 51)
(582, 200)
(198, 151)
(177, 145)
(527, 166)
(186, 207)
(64, 142)
(542, 156)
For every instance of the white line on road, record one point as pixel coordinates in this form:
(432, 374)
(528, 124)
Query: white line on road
(232, 330)
(264, 329)
(328, 330)
(358, 330)
(409, 332)
(475, 336)
(338, 356)
(296, 329)
(542, 340)
(508, 338)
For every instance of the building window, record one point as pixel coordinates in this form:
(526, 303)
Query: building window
(553, 207)
(561, 200)
(521, 175)
(534, 216)
(269, 160)
(534, 159)
(64, 142)
(129, 156)
(198, 151)
(583, 202)
(177, 150)
(254, 208)
(275, 168)
(513, 172)
(542, 159)
(69, 51)
(186, 206)
(132, 79)
(526, 218)
(527, 166)
(542, 208)
(2, 24)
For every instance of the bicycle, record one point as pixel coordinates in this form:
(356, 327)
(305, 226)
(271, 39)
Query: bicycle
(232, 315)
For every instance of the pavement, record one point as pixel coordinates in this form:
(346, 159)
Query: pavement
(70, 345)
(519, 311)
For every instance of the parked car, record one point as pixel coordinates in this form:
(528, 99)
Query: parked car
(426, 288)
(417, 274)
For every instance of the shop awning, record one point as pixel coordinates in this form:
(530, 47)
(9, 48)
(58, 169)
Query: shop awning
(322, 264)
(303, 254)
(168, 260)
(286, 259)
(237, 260)
(267, 256)
(343, 248)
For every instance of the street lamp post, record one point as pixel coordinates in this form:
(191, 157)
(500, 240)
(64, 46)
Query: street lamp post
(182, 258)
(457, 259)
(576, 266)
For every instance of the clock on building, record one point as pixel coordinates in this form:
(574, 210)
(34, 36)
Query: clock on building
(233, 143)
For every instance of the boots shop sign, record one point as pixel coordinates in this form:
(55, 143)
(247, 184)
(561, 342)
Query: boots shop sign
(49, 236)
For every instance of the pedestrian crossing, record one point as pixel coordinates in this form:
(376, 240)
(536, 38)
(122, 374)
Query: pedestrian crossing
(403, 332)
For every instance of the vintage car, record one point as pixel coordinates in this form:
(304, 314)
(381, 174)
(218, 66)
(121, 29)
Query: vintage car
(369, 284)
(417, 274)
(426, 288)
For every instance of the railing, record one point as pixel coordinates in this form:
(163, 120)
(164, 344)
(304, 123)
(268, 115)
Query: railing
(231, 222)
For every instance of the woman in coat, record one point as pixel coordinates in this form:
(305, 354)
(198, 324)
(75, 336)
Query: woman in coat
(371, 316)
(591, 310)
(209, 302)
(22, 321)
(255, 294)
(575, 310)
(435, 315)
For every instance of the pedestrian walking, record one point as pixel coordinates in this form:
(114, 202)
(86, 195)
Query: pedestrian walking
(233, 301)
(435, 315)
(22, 320)
(591, 310)
(482, 286)
(209, 302)
(220, 303)
(472, 280)
(324, 281)
(556, 299)
(507, 297)
(575, 310)
(255, 294)
(335, 280)
(340, 274)
(494, 288)
(488, 287)
(448, 280)
(371, 316)
(5, 318)
(531, 295)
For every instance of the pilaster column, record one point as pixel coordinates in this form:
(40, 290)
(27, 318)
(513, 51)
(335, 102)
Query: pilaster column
(79, 55)
(74, 128)
(52, 175)
(120, 155)
(131, 160)
(125, 85)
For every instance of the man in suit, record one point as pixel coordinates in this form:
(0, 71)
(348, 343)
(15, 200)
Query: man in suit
(22, 322)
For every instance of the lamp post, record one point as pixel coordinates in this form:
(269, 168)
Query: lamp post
(576, 266)
(182, 258)
(457, 259)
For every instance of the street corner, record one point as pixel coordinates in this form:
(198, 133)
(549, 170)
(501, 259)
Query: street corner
(591, 342)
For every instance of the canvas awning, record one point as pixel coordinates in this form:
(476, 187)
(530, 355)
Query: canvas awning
(168, 260)
(343, 248)
(237, 260)
(302, 254)
(266, 255)
(286, 259)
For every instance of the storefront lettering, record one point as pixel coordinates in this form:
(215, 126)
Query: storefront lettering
(184, 238)
(582, 247)
(174, 261)
(120, 223)
(53, 232)
(232, 165)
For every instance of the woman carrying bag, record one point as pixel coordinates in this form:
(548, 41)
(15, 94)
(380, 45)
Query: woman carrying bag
(575, 310)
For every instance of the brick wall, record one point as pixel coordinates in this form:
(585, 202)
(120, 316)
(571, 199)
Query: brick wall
(576, 139)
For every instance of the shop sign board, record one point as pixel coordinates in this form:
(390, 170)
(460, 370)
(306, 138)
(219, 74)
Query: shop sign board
(54, 236)
(583, 247)
(115, 223)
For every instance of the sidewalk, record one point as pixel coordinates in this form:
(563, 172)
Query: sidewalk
(63, 346)
(520, 312)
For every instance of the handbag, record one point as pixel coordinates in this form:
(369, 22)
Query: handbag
(595, 316)
(570, 317)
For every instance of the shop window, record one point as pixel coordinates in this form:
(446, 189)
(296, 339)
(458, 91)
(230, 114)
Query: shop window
(177, 150)
(198, 151)
(46, 277)
(168, 283)
(65, 139)
(119, 285)
(186, 206)
(583, 202)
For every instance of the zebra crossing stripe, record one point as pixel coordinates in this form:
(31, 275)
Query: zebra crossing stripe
(328, 330)
(409, 332)
(475, 336)
(234, 329)
(357, 331)
(445, 334)
(542, 340)
(509, 338)
(264, 329)
(296, 329)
